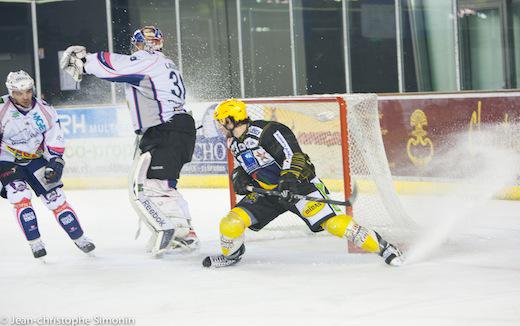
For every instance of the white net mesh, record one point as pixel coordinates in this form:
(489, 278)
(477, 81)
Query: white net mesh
(316, 123)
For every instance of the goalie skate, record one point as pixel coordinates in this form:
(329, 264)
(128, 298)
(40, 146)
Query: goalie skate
(218, 261)
(162, 241)
(188, 243)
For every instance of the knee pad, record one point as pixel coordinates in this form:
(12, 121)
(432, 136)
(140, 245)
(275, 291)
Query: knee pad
(338, 225)
(234, 224)
(232, 228)
(18, 191)
(54, 199)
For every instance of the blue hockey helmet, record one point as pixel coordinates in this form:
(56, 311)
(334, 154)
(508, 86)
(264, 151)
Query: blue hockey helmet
(148, 38)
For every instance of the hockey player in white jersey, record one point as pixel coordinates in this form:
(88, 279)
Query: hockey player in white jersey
(31, 151)
(155, 94)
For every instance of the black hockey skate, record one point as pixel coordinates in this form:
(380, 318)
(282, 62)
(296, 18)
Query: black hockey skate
(84, 244)
(389, 252)
(38, 248)
(218, 261)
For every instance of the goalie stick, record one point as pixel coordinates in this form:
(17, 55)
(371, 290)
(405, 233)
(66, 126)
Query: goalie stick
(285, 195)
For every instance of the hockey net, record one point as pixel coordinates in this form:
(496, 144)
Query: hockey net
(342, 136)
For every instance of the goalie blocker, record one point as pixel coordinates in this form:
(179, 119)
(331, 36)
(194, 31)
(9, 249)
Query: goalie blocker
(268, 155)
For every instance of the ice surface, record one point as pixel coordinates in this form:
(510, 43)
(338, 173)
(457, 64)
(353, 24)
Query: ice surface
(471, 278)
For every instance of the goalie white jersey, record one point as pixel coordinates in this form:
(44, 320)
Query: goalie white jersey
(28, 135)
(154, 87)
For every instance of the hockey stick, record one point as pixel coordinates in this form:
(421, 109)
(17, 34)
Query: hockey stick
(287, 195)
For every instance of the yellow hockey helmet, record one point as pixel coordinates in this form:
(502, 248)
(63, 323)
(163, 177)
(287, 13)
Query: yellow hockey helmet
(231, 108)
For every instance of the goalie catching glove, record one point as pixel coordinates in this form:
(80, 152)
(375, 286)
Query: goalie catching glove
(73, 61)
(300, 170)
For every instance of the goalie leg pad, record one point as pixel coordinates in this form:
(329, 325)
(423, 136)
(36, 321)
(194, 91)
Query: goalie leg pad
(147, 209)
(162, 208)
(232, 228)
(170, 204)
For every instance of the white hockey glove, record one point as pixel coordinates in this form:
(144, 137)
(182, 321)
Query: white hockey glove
(72, 61)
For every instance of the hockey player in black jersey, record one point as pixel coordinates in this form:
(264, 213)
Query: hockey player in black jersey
(267, 155)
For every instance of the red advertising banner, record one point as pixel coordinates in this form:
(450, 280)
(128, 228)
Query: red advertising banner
(422, 133)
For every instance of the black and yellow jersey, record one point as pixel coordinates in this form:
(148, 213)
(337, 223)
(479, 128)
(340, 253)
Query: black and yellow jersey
(265, 149)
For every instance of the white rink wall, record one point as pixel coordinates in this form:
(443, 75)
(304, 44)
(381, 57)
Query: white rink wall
(100, 145)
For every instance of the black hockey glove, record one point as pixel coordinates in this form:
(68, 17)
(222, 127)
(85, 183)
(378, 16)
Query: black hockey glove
(289, 185)
(54, 169)
(240, 180)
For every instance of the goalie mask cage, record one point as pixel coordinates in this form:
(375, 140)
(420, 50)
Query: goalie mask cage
(342, 136)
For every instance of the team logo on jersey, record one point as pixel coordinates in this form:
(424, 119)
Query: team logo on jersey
(251, 143)
(24, 136)
(263, 157)
(241, 147)
(39, 122)
(248, 160)
(255, 131)
(312, 208)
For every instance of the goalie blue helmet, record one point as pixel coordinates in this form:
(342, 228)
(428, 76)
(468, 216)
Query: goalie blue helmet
(148, 38)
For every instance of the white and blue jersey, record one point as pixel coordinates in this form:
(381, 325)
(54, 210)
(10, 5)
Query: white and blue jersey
(154, 87)
(29, 134)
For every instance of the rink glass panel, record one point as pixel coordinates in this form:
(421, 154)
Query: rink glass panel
(81, 22)
(16, 49)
